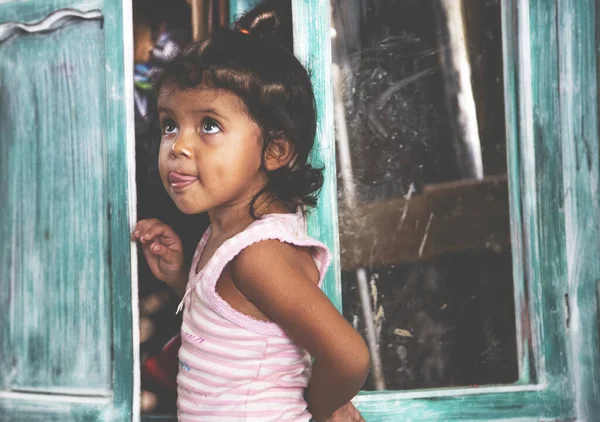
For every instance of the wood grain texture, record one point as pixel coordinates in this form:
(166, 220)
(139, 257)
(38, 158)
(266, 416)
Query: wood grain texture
(54, 221)
(53, 408)
(67, 172)
(51, 23)
(26, 11)
(312, 46)
(542, 195)
(580, 165)
(510, 61)
(475, 404)
(119, 131)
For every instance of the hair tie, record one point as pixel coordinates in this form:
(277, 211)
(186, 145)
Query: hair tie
(244, 31)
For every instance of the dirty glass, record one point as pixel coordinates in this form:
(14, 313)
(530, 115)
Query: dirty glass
(422, 187)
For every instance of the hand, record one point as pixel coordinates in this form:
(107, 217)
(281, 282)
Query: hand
(346, 413)
(163, 251)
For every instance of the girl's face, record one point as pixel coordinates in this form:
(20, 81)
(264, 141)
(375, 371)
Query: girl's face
(210, 153)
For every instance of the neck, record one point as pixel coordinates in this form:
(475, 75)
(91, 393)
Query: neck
(229, 220)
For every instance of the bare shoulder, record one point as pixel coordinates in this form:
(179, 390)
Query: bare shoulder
(279, 279)
(273, 258)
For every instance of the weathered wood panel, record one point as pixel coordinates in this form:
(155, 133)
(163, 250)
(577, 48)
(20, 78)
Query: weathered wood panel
(577, 21)
(312, 46)
(119, 130)
(53, 408)
(25, 11)
(510, 60)
(542, 196)
(474, 404)
(54, 211)
(66, 182)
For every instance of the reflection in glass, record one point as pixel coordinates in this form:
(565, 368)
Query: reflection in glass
(422, 184)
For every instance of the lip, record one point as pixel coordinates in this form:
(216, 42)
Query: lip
(179, 181)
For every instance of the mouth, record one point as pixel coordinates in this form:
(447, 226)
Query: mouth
(179, 181)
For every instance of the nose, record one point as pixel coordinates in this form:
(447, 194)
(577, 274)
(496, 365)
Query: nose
(180, 149)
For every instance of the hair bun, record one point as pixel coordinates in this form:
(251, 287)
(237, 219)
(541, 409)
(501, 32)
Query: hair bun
(270, 19)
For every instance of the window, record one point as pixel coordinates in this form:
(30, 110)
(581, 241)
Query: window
(541, 283)
(545, 377)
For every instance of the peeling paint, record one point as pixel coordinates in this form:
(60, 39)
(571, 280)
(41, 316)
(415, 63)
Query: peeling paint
(53, 182)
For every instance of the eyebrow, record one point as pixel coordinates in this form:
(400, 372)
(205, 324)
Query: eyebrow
(196, 111)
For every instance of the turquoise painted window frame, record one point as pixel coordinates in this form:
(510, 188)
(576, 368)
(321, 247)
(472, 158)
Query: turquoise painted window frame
(549, 60)
(552, 135)
(123, 401)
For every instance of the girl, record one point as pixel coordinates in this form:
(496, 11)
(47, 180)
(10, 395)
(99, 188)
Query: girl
(238, 121)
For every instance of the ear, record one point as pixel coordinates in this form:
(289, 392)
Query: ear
(278, 154)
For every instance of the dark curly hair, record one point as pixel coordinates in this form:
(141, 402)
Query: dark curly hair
(254, 61)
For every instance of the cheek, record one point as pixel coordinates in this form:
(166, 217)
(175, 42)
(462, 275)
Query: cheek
(244, 164)
(251, 155)
(163, 155)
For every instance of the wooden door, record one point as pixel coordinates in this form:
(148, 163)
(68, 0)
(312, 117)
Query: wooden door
(67, 195)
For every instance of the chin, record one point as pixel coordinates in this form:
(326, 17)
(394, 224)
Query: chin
(187, 208)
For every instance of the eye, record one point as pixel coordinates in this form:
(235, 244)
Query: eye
(168, 127)
(210, 127)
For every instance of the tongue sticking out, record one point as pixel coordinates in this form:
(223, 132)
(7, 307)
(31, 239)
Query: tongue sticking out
(181, 178)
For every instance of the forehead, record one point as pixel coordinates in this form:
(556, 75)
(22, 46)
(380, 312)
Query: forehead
(175, 98)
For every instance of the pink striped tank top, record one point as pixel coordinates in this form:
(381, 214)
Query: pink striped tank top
(233, 367)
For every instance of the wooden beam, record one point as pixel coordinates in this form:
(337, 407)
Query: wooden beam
(312, 46)
(199, 19)
(223, 13)
(461, 216)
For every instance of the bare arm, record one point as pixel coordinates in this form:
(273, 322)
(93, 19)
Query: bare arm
(276, 280)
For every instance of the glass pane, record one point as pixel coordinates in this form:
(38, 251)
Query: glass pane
(422, 187)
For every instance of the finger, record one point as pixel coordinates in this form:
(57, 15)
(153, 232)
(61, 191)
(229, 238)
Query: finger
(168, 255)
(162, 233)
(147, 228)
(150, 256)
(142, 226)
